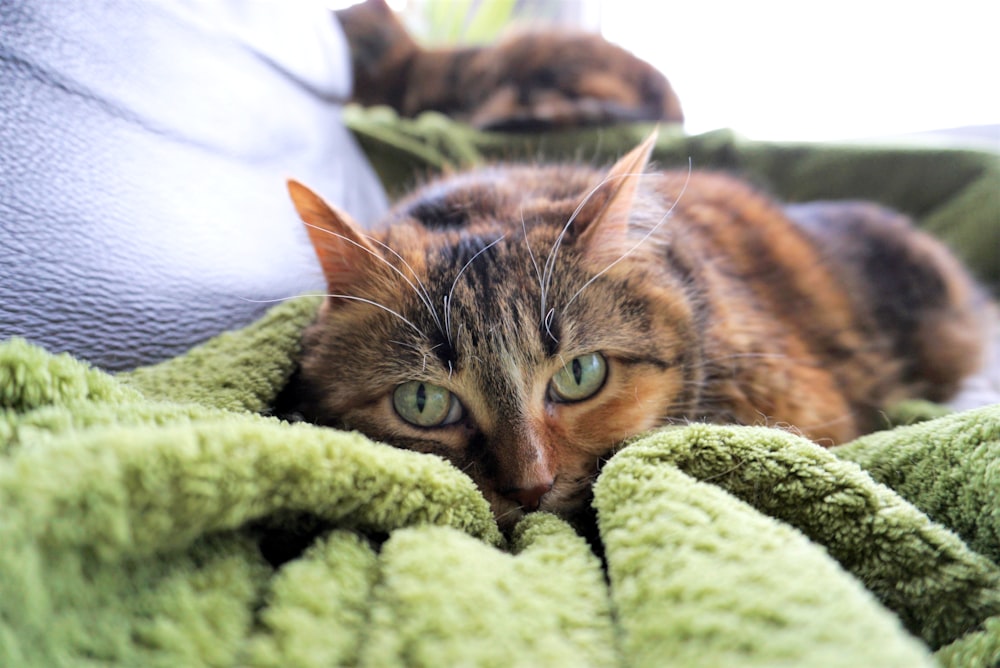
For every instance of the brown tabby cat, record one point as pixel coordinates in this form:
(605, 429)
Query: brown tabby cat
(522, 321)
(526, 81)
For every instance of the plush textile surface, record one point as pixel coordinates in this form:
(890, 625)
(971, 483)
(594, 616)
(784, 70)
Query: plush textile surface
(135, 513)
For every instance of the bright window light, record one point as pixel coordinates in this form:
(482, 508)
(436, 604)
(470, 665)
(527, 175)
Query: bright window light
(852, 69)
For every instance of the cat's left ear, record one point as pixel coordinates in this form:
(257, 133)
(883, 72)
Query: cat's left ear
(605, 213)
(344, 252)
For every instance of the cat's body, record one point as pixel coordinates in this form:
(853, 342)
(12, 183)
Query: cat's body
(526, 80)
(535, 317)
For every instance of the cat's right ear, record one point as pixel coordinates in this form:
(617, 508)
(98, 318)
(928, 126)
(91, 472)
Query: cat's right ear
(344, 253)
(606, 210)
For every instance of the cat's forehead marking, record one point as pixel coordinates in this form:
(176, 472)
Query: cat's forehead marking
(485, 288)
(452, 203)
(438, 211)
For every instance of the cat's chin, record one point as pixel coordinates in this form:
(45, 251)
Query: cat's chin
(508, 520)
(577, 511)
(508, 515)
(582, 517)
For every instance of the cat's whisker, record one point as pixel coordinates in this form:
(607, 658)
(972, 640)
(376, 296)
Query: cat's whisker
(682, 418)
(639, 243)
(725, 473)
(377, 256)
(377, 305)
(407, 344)
(447, 317)
(505, 515)
(531, 253)
(534, 263)
(417, 349)
(841, 419)
(550, 260)
(419, 288)
(279, 299)
(454, 283)
(549, 317)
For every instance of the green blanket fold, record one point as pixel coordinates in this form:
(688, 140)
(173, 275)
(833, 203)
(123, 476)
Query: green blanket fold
(133, 511)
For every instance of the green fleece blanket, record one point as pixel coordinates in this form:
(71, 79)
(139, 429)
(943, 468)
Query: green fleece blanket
(136, 513)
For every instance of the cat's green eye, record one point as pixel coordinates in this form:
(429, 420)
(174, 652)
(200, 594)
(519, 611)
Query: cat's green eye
(580, 379)
(425, 405)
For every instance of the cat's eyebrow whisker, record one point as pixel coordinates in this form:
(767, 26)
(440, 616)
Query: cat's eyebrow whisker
(446, 307)
(417, 349)
(419, 288)
(534, 263)
(550, 261)
(407, 344)
(639, 243)
(422, 296)
(547, 321)
(278, 299)
(531, 253)
(454, 283)
(377, 305)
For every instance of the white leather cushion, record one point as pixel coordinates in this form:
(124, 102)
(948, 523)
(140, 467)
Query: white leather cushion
(144, 148)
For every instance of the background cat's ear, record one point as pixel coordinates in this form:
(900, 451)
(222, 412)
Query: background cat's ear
(606, 212)
(344, 253)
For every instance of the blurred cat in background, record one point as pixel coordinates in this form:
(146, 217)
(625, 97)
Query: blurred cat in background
(548, 78)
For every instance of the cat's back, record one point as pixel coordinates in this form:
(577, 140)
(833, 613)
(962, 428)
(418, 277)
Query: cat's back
(923, 301)
(887, 308)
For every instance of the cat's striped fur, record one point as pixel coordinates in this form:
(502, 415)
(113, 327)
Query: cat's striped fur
(707, 299)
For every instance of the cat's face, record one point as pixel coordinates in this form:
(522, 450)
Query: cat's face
(497, 344)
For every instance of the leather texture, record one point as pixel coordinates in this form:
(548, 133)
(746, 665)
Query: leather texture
(144, 148)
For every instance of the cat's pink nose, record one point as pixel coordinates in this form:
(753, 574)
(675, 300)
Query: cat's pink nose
(529, 498)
